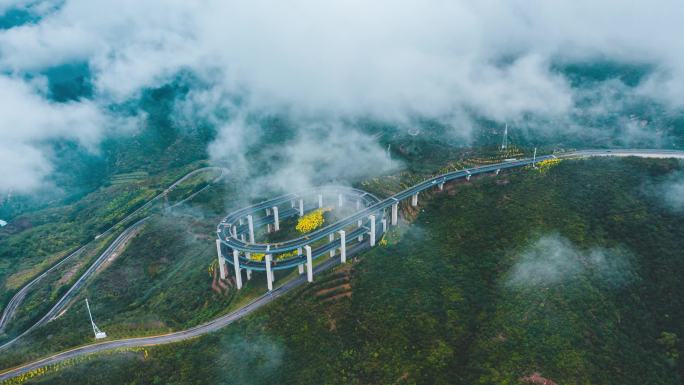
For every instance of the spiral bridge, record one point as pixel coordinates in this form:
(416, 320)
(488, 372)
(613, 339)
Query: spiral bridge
(237, 245)
(369, 221)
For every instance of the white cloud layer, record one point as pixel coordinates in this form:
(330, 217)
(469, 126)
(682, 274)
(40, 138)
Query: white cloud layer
(389, 60)
(27, 121)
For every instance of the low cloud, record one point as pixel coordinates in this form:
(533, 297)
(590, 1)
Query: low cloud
(317, 154)
(327, 64)
(671, 192)
(554, 260)
(29, 120)
(249, 360)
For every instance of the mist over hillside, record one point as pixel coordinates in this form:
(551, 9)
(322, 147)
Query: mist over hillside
(114, 87)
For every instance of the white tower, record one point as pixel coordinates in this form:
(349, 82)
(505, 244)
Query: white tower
(99, 334)
(504, 144)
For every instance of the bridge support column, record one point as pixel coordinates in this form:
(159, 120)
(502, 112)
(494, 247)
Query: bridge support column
(299, 251)
(276, 219)
(236, 265)
(340, 200)
(269, 273)
(395, 209)
(233, 230)
(242, 237)
(384, 225)
(498, 170)
(441, 186)
(343, 246)
(268, 228)
(221, 260)
(331, 238)
(249, 274)
(468, 176)
(268, 211)
(320, 201)
(359, 224)
(301, 207)
(372, 229)
(250, 223)
(309, 264)
(414, 200)
(300, 267)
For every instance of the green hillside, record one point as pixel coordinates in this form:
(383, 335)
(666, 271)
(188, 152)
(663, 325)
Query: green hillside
(572, 274)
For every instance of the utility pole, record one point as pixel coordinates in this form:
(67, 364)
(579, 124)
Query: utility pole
(99, 334)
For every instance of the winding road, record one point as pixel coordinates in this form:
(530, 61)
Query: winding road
(257, 303)
(16, 300)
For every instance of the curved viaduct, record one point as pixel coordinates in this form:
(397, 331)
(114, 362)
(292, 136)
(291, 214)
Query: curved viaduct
(235, 225)
(236, 232)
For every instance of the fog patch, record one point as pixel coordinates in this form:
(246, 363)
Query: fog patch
(671, 192)
(249, 360)
(554, 260)
(317, 154)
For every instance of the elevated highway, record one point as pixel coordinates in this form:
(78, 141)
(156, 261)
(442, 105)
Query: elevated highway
(236, 243)
(231, 241)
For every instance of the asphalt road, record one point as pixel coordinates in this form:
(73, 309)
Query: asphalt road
(279, 291)
(196, 331)
(16, 300)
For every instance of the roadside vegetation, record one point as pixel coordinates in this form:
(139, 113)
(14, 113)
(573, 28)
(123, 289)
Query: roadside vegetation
(311, 221)
(470, 293)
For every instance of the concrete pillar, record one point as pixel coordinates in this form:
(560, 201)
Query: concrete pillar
(250, 224)
(249, 274)
(320, 201)
(221, 260)
(359, 223)
(372, 229)
(240, 221)
(384, 225)
(301, 207)
(414, 200)
(292, 202)
(441, 186)
(233, 229)
(498, 170)
(301, 268)
(299, 251)
(340, 200)
(242, 237)
(395, 210)
(236, 265)
(268, 211)
(468, 176)
(343, 246)
(268, 228)
(276, 219)
(309, 264)
(248, 255)
(269, 273)
(331, 238)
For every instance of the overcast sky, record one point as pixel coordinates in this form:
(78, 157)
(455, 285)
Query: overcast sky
(321, 61)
